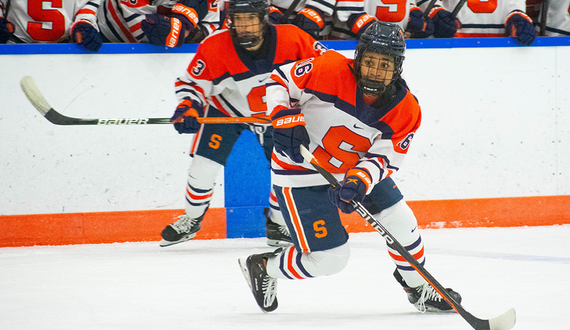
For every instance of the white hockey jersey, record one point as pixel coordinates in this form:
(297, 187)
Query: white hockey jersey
(484, 18)
(38, 21)
(344, 131)
(230, 80)
(390, 11)
(120, 20)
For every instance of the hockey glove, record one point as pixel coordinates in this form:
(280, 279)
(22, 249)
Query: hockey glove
(275, 15)
(190, 14)
(6, 30)
(185, 117)
(290, 133)
(163, 31)
(445, 26)
(353, 188)
(520, 27)
(358, 23)
(418, 25)
(311, 20)
(83, 33)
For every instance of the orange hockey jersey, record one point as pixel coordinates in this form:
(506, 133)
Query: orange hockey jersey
(232, 80)
(344, 131)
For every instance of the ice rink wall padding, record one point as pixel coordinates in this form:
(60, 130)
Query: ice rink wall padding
(246, 186)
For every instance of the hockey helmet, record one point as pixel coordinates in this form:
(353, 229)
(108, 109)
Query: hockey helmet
(247, 36)
(380, 38)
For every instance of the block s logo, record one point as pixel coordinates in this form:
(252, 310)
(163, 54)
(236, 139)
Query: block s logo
(405, 143)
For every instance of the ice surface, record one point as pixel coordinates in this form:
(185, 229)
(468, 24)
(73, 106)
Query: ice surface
(198, 284)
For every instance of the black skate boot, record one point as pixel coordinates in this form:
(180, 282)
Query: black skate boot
(277, 235)
(263, 287)
(182, 230)
(426, 299)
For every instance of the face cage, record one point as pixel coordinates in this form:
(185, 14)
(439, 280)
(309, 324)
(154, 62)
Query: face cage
(372, 86)
(248, 40)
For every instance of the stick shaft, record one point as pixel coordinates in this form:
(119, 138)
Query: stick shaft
(458, 8)
(40, 103)
(476, 323)
(429, 8)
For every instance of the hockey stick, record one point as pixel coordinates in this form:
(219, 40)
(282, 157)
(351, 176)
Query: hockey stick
(543, 14)
(429, 8)
(502, 322)
(458, 8)
(39, 102)
(289, 11)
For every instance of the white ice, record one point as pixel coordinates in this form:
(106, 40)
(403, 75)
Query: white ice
(198, 284)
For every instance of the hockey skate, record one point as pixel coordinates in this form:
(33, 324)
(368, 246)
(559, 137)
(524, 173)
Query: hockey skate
(426, 299)
(277, 235)
(182, 230)
(263, 287)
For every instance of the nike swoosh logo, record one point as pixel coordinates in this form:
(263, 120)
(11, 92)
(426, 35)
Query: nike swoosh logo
(357, 127)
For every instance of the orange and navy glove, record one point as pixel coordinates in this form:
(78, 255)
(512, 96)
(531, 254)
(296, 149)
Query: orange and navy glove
(310, 20)
(356, 183)
(83, 33)
(418, 25)
(185, 118)
(358, 23)
(275, 15)
(520, 27)
(289, 133)
(163, 30)
(445, 25)
(6, 30)
(190, 13)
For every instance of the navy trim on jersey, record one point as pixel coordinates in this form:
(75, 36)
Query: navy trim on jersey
(293, 172)
(324, 3)
(265, 64)
(557, 31)
(229, 105)
(334, 99)
(110, 24)
(482, 26)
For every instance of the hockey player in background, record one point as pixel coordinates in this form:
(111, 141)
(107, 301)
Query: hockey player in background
(36, 21)
(232, 85)
(358, 121)
(497, 18)
(404, 13)
(169, 23)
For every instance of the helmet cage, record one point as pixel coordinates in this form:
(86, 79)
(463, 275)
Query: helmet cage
(258, 7)
(380, 38)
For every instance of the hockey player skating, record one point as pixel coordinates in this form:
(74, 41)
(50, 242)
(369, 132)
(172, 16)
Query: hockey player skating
(358, 121)
(232, 85)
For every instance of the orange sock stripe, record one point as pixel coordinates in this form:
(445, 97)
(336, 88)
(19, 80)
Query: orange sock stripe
(297, 225)
(290, 267)
(398, 257)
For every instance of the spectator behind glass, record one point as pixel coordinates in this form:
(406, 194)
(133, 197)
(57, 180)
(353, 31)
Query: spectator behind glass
(73, 21)
(168, 23)
(494, 18)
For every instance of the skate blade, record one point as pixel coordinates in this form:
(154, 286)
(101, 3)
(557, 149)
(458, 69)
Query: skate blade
(277, 243)
(243, 266)
(164, 243)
